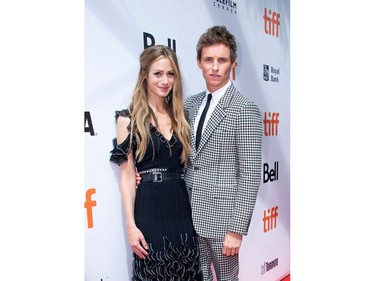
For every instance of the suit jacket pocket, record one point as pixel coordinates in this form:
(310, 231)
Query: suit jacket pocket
(223, 204)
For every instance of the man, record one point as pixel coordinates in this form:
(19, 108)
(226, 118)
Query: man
(224, 169)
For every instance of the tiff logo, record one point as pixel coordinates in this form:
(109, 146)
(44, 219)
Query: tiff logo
(89, 204)
(271, 22)
(269, 219)
(271, 123)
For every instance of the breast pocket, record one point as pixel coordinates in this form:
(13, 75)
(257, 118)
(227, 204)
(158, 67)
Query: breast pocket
(223, 135)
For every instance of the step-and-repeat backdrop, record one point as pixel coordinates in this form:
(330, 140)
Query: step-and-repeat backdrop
(116, 32)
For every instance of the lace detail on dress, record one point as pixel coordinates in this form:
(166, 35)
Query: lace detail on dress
(168, 143)
(173, 264)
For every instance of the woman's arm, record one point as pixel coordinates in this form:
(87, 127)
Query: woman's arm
(128, 189)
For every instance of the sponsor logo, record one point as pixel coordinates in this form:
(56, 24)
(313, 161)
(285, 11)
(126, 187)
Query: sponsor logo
(149, 40)
(271, 123)
(89, 128)
(270, 174)
(266, 72)
(89, 204)
(269, 219)
(273, 75)
(271, 22)
(228, 6)
(267, 266)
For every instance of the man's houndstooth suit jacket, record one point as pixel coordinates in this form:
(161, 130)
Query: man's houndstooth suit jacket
(223, 174)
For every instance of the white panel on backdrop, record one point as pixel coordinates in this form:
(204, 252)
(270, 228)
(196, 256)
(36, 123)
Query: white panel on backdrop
(116, 32)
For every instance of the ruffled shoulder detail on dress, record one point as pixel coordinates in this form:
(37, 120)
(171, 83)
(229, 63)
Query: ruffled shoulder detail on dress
(120, 152)
(124, 113)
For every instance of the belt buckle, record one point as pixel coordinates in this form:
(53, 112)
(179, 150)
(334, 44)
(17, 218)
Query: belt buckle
(157, 177)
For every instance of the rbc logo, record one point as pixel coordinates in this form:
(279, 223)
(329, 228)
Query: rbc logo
(266, 72)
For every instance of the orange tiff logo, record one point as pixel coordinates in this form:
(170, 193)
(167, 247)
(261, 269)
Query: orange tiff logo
(89, 204)
(269, 218)
(271, 123)
(271, 22)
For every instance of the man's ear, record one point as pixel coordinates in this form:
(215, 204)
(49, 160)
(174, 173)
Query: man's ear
(199, 63)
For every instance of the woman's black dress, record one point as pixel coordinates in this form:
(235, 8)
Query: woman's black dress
(162, 212)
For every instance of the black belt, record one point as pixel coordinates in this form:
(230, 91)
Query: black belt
(162, 174)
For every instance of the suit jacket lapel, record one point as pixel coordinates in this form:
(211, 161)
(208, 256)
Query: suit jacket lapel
(193, 115)
(217, 116)
(215, 119)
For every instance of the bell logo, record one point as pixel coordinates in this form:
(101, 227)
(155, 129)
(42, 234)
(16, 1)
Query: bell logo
(270, 174)
(149, 40)
(89, 204)
(269, 219)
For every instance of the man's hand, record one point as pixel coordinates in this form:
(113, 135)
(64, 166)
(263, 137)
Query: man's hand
(232, 244)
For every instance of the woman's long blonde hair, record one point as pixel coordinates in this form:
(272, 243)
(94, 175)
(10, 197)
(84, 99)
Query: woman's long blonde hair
(141, 113)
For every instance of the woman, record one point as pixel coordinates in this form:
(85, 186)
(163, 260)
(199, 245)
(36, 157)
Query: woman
(153, 139)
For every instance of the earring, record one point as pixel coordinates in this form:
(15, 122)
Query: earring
(168, 98)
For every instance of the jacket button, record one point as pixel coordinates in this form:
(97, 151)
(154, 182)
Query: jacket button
(196, 168)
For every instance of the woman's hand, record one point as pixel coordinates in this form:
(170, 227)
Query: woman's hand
(137, 242)
(138, 178)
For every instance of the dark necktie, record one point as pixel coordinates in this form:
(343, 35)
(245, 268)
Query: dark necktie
(201, 121)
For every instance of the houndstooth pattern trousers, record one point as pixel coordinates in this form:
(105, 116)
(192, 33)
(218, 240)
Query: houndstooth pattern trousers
(226, 267)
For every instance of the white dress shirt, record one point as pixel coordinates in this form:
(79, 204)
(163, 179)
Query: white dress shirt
(216, 96)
